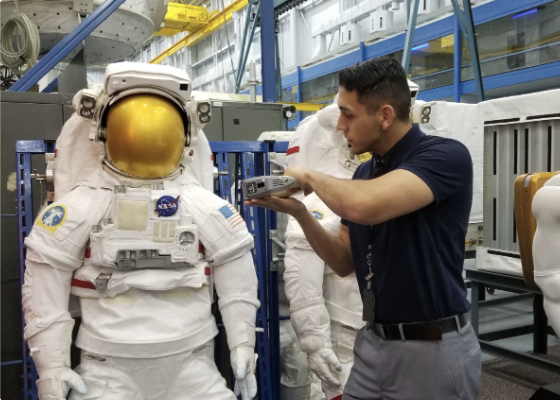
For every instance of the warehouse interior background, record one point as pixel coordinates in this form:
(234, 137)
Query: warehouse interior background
(255, 58)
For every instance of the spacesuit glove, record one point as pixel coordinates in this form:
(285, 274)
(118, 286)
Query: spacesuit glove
(54, 384)
(324, 363)
(243, 360)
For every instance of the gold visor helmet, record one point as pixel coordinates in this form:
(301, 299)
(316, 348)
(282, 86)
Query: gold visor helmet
(144, 135)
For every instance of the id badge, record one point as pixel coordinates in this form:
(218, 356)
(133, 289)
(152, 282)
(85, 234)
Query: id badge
(369, 306)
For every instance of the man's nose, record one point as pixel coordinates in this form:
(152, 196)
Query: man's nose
(340, 124)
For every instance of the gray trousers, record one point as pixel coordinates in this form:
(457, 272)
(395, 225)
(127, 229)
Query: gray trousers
(415, 370)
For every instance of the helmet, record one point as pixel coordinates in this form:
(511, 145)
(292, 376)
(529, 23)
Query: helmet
(144, 136)
(146, 117)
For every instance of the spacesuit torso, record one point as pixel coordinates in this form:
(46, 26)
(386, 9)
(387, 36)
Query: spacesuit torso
(145, 270)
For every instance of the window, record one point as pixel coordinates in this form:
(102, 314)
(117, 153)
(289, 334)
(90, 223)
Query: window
(320, 89)
(526, 39)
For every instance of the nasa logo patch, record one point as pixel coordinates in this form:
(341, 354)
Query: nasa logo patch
(317, 214)
(53, 218)
(166, 206)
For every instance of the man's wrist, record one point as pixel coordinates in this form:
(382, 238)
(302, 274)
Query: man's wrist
(300, 214)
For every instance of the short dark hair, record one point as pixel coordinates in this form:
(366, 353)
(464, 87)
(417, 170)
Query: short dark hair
(376, 82)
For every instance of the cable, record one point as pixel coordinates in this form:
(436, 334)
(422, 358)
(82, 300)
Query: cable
(27, 41)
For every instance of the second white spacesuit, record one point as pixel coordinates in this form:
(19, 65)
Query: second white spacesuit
(325, 309)
(546, 253)
(142, 243)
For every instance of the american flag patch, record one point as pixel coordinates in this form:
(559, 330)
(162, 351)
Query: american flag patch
(231, 215)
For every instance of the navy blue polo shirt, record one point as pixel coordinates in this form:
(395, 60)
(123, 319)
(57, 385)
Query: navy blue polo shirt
(418, 258)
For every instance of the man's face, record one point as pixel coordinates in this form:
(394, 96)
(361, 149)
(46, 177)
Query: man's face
(360, 128)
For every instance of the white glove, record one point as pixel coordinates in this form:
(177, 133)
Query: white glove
(50, 350)
(55, 384)
(324, 363)
(243, 360)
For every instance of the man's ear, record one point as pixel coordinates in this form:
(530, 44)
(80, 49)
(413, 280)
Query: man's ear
(386, 116)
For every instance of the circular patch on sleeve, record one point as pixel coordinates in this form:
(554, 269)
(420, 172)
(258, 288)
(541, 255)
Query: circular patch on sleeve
(317, 214)
(53, 218)
(166, 206)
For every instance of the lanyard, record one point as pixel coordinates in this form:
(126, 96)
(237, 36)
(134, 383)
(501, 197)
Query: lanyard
(369, 256)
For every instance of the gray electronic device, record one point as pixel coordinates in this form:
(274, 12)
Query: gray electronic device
(262, 186)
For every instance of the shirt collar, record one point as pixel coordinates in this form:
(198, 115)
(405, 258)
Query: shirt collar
(396, 153)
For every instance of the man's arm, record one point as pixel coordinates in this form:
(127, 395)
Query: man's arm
(334, 250)
(367, 202)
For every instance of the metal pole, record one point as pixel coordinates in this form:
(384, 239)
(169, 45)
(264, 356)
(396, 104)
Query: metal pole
(457, 62)
(245, 30)
(50, 87)
(474, 50)
(246, 54)
(410, 35)
(66, 45)
(268, 51)
(252, 82)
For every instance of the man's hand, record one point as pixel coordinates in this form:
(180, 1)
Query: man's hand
(301, 175)
(285, 205)
(325, 364)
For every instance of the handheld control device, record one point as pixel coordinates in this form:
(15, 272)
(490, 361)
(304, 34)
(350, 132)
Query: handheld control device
(262, 186)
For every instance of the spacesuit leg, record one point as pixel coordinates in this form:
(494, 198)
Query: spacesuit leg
(200, 379)
(343, 339)
(184, 376)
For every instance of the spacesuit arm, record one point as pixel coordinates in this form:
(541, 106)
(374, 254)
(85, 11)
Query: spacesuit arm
(227, 245)
(48, 328)
(236, 285)
(303, 278)
(55, 249)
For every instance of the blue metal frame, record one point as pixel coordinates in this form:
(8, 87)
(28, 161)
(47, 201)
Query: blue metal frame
(457, 61)
(251, 159)
(65, 46)
(268, 53)
(24, 150)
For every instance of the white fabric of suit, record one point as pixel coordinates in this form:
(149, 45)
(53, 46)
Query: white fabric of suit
(325, 309)
(148, 322)
(546, 252)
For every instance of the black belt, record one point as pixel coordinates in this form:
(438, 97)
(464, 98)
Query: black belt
(431, 330)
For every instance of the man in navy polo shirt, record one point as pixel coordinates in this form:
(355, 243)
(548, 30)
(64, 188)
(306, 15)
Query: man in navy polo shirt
(405, 217)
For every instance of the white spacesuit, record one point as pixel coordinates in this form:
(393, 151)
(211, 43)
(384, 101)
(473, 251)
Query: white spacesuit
(546, 252)
(135, 234)
(326, 325)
